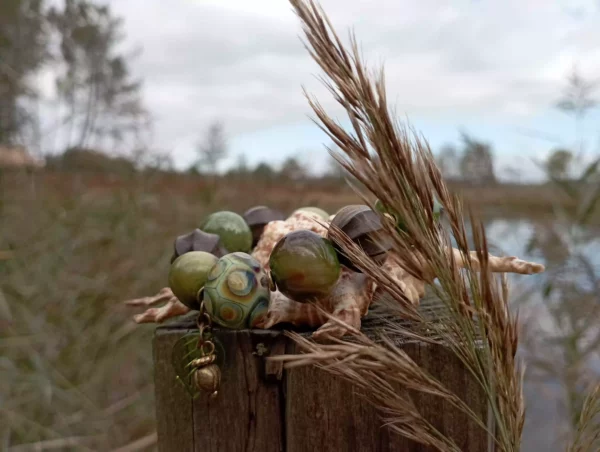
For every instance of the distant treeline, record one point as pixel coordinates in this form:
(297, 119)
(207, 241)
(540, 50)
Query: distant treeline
(471, 167)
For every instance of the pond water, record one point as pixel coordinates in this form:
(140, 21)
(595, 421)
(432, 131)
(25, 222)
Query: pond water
(511, 237)
(545, 418)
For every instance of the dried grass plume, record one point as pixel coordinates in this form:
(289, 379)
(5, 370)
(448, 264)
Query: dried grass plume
(396, 166)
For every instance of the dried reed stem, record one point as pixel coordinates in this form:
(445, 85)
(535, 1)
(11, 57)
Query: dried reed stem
(587, 436)
(396, 165)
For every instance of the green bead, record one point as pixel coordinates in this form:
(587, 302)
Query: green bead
(235, 234)
(188, 274)
(320, 212)
(237, 294)
(304, 265)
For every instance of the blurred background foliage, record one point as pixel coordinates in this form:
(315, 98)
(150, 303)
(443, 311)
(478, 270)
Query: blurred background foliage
(85, 228)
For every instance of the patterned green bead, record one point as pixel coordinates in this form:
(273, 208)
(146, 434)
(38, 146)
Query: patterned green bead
(235, 234)
(304, 265)
(188, 274)
(236, 294)
(320, 212)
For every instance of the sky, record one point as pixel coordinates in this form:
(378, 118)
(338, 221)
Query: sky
(491, 68)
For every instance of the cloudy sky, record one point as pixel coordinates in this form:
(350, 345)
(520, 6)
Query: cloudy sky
(491, 68)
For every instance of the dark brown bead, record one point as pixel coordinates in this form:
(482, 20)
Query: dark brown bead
(258, 217)
(363, 226)
(198, 240)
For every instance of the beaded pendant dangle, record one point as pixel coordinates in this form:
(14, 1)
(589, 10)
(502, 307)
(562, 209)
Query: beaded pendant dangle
(198, 357)
(233, 292)
(206, 375)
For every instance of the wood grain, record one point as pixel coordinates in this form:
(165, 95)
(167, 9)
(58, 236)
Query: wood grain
(174, 416)
(325, 413)
(246, 415)
(261, 407)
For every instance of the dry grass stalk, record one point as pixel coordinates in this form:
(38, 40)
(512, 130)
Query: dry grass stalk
(396, 166)
(587, 436)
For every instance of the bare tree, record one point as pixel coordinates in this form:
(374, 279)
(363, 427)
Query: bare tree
(566, 351)
(102, 99)
(335, 170)
(559, 163)
(577, 100)
(242, 164)
(241, 167)
(448, 161)
(213, 149)
(23, 51)
(477, 162)
(264, 172)
(513, 174)
(293, 169)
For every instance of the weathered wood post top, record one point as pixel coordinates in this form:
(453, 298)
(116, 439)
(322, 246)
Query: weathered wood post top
(262, 407)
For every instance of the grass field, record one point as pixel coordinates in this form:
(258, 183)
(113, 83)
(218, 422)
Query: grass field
(75, 372)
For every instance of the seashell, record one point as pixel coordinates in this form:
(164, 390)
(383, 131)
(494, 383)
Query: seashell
(363, 226)
(236, 293)
(258, 217)
(231, 228)
(315, 211)
(304, 266)
(188, 275)
(198, 240)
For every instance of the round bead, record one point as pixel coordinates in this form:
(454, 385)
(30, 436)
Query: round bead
(188, 274)
(235, 234)
(314, 210)
(258, 217)
(236, 294)
(304, 265)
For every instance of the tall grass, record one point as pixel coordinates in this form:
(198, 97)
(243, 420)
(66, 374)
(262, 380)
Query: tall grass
(75, 371)
(564, 350)
(76, 375)
(396, 166)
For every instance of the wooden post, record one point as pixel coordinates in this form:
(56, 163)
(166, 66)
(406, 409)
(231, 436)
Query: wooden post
(261, 407)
